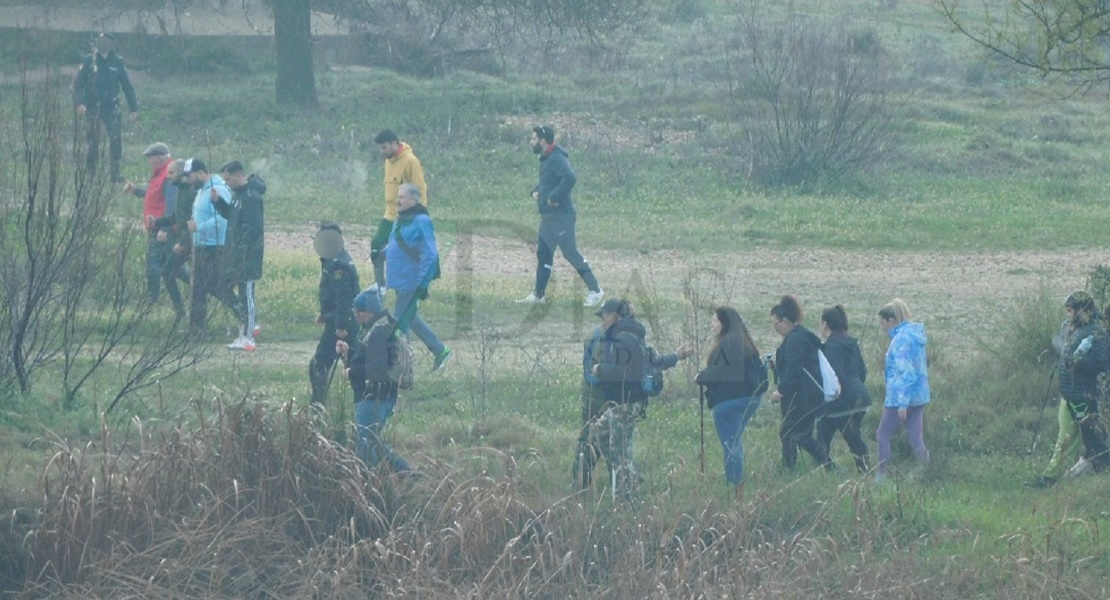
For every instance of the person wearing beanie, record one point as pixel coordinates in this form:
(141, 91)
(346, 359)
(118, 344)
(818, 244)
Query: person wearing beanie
(372, 361)
(338, 289)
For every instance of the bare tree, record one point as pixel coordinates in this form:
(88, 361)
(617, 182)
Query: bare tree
(1055, 38)
(818, 105)
(67, 266)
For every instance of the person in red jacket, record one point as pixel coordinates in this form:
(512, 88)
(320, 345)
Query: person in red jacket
(159, 199)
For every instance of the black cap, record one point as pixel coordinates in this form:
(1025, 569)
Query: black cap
(613, 305)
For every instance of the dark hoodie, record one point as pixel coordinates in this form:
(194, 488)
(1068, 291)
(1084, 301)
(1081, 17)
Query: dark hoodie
(730, 373)
(556, 181)
(621, 362)
(846, 359)
(245, 225)
(1079, 370)
(796, 368)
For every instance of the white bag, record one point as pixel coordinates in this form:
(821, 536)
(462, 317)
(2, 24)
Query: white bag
(830, 383)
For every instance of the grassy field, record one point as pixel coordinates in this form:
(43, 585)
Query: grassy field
(988, 211)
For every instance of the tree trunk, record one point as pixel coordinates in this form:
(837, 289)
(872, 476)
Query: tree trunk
(296, 84)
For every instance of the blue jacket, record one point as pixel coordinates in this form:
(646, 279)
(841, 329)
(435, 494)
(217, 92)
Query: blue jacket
(211, 227)
(411, 256)
(556, 181)
(907, 372)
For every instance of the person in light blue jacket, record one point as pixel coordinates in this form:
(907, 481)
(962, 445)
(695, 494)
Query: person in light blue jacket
(412, 263)
(907, 384)
(209, 231)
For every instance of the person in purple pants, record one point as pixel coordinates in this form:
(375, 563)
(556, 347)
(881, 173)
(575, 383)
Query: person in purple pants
(907, 384)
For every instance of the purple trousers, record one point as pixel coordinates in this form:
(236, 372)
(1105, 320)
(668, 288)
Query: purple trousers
(915, 433)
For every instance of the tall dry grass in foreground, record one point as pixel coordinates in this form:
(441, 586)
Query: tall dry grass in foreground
(254, 503)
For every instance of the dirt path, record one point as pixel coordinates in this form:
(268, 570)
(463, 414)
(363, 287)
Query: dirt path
(962, 297)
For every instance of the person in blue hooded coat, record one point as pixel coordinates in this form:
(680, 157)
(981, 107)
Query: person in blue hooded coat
(907, 384)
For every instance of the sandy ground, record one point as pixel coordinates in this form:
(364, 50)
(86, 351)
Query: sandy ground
(963, 297)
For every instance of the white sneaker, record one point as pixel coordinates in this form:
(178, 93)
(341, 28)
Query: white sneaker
(243, 343)
(257, 330)
(1079, 469)
(531, 299)
(594, 298)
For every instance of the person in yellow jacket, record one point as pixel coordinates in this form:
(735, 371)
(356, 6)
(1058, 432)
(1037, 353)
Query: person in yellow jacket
(401, 166)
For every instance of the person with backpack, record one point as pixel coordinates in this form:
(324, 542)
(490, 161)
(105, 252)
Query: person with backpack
(412, 260)
(907, 384)
(799, 392)
(734, 379)
(614, 397)
(844, 415)
(375, 365)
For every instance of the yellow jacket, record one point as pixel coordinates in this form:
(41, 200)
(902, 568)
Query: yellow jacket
(403, 167)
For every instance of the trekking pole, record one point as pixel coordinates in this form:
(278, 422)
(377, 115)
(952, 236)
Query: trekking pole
(701, 404)
(1040, 416)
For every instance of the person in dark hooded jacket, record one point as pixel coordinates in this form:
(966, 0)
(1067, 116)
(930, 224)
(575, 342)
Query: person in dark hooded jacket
(557, 218)
(1085, 356)
(797, 372)
(245, 216)
(596, 394)
(845, 414)
(618, 368)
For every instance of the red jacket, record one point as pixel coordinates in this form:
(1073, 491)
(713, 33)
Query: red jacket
(154, 200)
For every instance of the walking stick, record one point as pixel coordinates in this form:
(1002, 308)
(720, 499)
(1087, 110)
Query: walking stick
(701, 403)
(1040, 417)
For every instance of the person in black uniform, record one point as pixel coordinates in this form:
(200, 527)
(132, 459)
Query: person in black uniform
(96, 96)
(338, 289)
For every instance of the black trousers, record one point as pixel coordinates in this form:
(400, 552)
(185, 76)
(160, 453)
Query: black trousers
(209, 280)
(848, 426)
(798, 418)
(1086, 416)
(108, 117)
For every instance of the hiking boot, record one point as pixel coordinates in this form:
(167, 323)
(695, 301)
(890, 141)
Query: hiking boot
(531, 299)
(1042, 482)
(441, 359)
(1079, 469)
(594, 298)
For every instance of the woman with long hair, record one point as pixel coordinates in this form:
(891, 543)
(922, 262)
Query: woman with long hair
(734, 379)
(799, 392)
(907, 384)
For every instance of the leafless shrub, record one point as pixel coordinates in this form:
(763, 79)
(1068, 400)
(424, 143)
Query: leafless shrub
(816, 100)
(67, 268)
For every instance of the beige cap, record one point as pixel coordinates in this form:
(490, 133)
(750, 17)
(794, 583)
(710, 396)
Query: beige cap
(156, 149)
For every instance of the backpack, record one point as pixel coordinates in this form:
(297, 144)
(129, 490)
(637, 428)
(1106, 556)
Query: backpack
(400, 361)
(400, 358)
(830, 383)
(652, 382)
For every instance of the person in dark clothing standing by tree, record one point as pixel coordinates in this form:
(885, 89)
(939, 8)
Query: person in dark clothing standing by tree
(246, 226)
(96, 96)
(845, 414)
(800, 396)
(557, 218)
(338, 289)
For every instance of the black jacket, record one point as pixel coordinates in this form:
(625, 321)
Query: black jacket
(621, 362)
(729, 373)
(795, 357)
(1079, 374)
(246, 228)
(557, 179)
(338, 288)
(371, 358)
(846, 359)
(99, 81)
